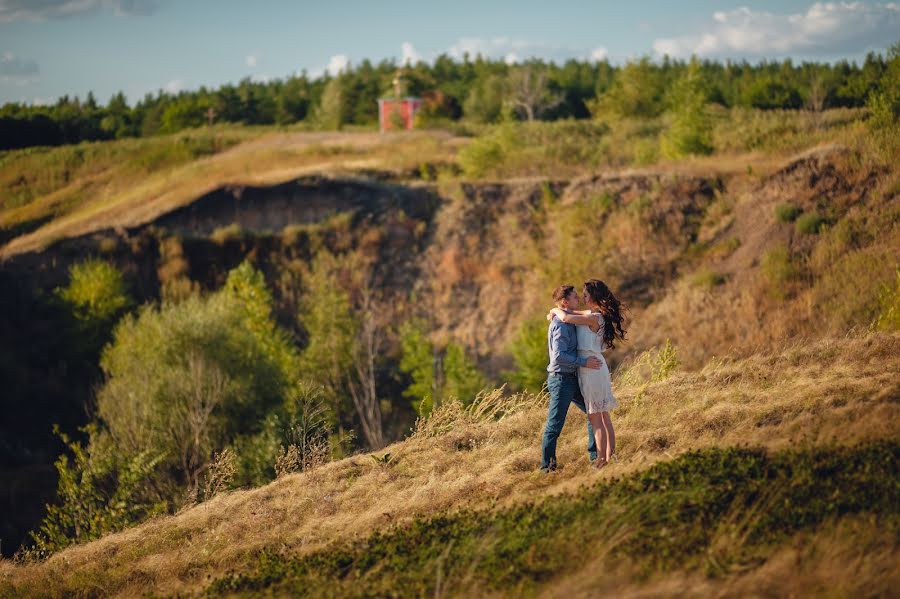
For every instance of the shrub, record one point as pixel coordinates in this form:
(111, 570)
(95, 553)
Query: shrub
(786, 213)
(809, 224)
(853, 290)
(889, 299)
(778, 270)
(96, 292)
(706, 278)
(418, 362)
(529, 352)
(99, 491)
(461, 376)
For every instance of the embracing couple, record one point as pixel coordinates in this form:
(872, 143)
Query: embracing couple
(578, 372)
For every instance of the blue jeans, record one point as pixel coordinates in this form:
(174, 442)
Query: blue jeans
(563, 388)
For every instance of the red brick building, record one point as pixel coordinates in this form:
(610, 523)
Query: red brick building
(397, 113)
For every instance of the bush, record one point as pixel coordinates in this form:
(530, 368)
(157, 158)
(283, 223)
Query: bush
(809, 224)
(529, 352)
(786, 213)
(186, 380)
(854, 289)
(98, 492)
(707, 278)
(96, 293)
(889, 299)
(779, 270)
(534, 148)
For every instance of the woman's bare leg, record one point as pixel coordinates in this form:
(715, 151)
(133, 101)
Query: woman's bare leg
(610, 435)
(599, 436)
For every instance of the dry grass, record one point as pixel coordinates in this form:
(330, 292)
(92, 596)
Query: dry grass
(839, 390)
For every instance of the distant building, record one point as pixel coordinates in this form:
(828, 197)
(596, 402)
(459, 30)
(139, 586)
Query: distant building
(397, 113)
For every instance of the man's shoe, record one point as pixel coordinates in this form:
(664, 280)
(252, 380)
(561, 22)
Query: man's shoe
(551, 467)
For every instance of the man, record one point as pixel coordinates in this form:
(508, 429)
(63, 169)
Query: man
(562, 378)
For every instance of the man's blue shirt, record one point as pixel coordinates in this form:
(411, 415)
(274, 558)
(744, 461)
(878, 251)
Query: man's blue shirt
(562, 342)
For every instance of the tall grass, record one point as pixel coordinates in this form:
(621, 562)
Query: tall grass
(486, 456)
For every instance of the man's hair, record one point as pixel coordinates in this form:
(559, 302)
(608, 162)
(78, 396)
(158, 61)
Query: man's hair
(562, 292)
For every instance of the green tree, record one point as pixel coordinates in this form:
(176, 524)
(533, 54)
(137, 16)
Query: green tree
(418, 362)
(96, 297)
(98, 492)
(529, 351)
(884, 102)
(636, 91)
(326, 316)
(186, 380)
(484, 103)
(332, 109)
(690, 131)
(461, 379)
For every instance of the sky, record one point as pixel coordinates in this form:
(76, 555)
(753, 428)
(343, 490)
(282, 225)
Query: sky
(50, 48)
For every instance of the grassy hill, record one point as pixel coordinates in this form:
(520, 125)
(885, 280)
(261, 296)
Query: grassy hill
(748, 475)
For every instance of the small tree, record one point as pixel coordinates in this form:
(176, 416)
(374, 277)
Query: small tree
(691, 128)
(462, 379)
(418, 361)
(96, 295)
(530, 354)
(332, 109)
(98, 492)
(484, 101)
(530, 91)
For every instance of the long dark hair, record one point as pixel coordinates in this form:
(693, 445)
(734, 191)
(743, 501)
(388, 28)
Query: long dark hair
(611, 309)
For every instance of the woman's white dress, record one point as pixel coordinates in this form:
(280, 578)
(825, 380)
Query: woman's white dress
(596, 385)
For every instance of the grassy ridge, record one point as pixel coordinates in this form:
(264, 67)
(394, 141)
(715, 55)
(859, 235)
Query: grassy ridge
(674, 515)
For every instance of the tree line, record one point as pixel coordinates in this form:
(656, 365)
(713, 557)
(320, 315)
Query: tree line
(474, 90)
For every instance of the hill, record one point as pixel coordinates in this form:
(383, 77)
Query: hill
(767, 472)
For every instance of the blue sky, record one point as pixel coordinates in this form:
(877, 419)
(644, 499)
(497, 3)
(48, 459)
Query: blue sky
(53, 47)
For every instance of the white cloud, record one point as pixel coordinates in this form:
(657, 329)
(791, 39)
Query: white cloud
(42, 10)
(511, 58)
(336, 64)
(409, 54)
(829, 28)
(17, 71)
(250, 60)
(599, 53)
(174, 86)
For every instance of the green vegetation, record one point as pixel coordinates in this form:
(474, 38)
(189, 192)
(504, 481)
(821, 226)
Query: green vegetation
(779, 270)
(99, 491)
(809, 223)
(437, 376)
(478, 91)
(786, 213)
(690, 132)
(707, 279)
(96, 297)
(529, 352)
(676, 515)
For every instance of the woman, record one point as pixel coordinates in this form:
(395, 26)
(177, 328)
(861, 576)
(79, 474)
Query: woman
(597, 330)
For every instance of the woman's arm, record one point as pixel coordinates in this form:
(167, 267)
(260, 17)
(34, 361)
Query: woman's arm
(586, 319)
